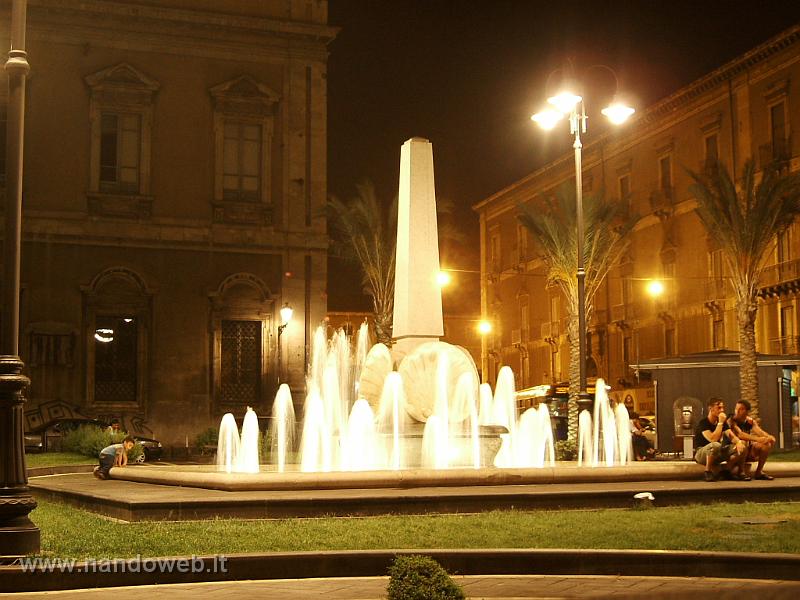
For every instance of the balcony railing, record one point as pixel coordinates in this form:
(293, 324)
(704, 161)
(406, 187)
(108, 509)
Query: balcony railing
(784, 345)
(780, 273)
(715, 289)
(662, 199)
(778, 151)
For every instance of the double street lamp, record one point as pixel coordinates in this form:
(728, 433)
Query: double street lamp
(568, 104)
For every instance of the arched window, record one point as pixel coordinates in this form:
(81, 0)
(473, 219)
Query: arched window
(117, 317)
(241, 318)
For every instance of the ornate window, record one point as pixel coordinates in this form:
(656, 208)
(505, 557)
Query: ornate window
(243, 125)
(121, 118)
(241, 318)
(117, 313)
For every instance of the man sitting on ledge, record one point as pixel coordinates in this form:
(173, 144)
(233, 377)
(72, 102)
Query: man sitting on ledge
(710, 437)
(759, 441)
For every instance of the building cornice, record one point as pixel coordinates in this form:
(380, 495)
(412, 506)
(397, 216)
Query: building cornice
(177, 31)
(655, 115)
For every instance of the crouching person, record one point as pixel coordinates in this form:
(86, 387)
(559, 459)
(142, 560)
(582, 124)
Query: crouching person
(713, 443)
(115, 455)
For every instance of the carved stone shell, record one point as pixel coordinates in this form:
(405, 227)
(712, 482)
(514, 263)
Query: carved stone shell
(377, 366)
(419, 370)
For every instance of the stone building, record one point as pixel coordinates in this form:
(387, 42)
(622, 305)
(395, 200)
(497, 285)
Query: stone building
(175, 166)
(744, 109)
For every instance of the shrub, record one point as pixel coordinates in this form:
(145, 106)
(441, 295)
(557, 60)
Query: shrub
(421, 578)
(208, 437)
(566, 450)
(90, 440)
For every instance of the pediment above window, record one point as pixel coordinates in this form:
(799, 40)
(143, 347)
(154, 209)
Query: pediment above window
(122, 83)
(244, 95)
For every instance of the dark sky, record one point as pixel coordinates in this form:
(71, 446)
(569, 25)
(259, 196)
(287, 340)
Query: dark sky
(467, 75)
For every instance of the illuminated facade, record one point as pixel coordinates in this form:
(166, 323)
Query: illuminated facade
(745, 109)
(175, 172)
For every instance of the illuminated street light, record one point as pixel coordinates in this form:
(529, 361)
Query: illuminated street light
(484, 327)
(443, 278)
(547, 119)
(655, 288)
(573, 107)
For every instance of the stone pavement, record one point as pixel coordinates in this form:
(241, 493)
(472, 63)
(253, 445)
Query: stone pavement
(485, 587)
(131, 501)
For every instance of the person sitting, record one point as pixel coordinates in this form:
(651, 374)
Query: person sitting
(115, 455)
(642, 447)
(114, 427)
(710, 444)
(759, 442)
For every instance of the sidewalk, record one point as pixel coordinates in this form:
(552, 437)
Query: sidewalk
(485, 587)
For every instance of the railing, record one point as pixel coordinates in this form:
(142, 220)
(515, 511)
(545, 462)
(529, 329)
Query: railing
(780, 273)
(715, 289)
(778, 152)
(662, 199)
(784, 345)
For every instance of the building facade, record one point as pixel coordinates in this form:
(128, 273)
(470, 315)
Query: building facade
(174, 172)
(743, 110)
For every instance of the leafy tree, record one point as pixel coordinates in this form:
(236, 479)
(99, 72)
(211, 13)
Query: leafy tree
(744, 221)
(553, 224)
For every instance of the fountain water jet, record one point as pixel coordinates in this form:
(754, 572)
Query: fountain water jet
(282, 426)
(228, 444)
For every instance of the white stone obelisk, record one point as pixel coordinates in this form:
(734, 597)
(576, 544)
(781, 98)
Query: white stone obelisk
(417, 295)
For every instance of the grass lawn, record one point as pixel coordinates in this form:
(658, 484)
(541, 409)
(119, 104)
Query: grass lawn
(54, 459)
(784, 456)
(70, 532)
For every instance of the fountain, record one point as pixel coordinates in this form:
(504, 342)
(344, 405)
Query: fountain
(419, 404)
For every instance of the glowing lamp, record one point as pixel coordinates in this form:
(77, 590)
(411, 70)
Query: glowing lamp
(484, 327)
(565, 101)
(618, 113)
(443, 278)
(547, 118)
(286, 313)
(103, 335)
(655, 288)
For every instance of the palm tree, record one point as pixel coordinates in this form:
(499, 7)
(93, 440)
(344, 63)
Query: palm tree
(606, 228)
(743, 222)
(367, 234)
(369, 237)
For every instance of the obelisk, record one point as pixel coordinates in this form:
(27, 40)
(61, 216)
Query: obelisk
(417, 295)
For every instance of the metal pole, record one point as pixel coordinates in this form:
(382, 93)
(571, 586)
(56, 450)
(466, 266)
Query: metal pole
(577, 122)
(18, 535)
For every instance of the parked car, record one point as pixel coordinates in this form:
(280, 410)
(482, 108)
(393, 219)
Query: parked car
(47, 437)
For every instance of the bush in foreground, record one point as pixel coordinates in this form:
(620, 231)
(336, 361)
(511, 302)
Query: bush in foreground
(90, 440)
(421, 578)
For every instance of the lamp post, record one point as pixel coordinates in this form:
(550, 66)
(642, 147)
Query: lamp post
(286, 313)
(18, 535)
(569, 104)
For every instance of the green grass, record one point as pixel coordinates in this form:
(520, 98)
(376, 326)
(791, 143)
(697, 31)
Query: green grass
(784, 456)
(54, 459)
(70, 532)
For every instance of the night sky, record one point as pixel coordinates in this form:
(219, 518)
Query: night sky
(467, 75)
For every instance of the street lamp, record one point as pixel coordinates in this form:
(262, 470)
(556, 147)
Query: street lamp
(18, 535)
(286, 313)
(567, 103)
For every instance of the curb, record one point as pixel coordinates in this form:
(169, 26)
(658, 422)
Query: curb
(60, 470)
(367, 563)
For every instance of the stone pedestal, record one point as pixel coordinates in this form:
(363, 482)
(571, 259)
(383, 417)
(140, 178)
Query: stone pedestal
(18, 535)
(417, 295)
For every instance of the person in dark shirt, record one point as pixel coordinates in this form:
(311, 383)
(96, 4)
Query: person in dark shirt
(759, 442)
(713, 443)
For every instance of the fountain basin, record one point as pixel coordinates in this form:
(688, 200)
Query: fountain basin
(208, 478)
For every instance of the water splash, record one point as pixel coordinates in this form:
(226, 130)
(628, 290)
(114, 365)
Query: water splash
(228, 444)
(282, 426)
(248, 461)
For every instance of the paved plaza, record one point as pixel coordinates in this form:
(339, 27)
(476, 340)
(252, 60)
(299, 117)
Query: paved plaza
(484, 587)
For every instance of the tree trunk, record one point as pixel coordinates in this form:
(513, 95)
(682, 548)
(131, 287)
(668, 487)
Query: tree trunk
(748, 368)
(574, 378)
